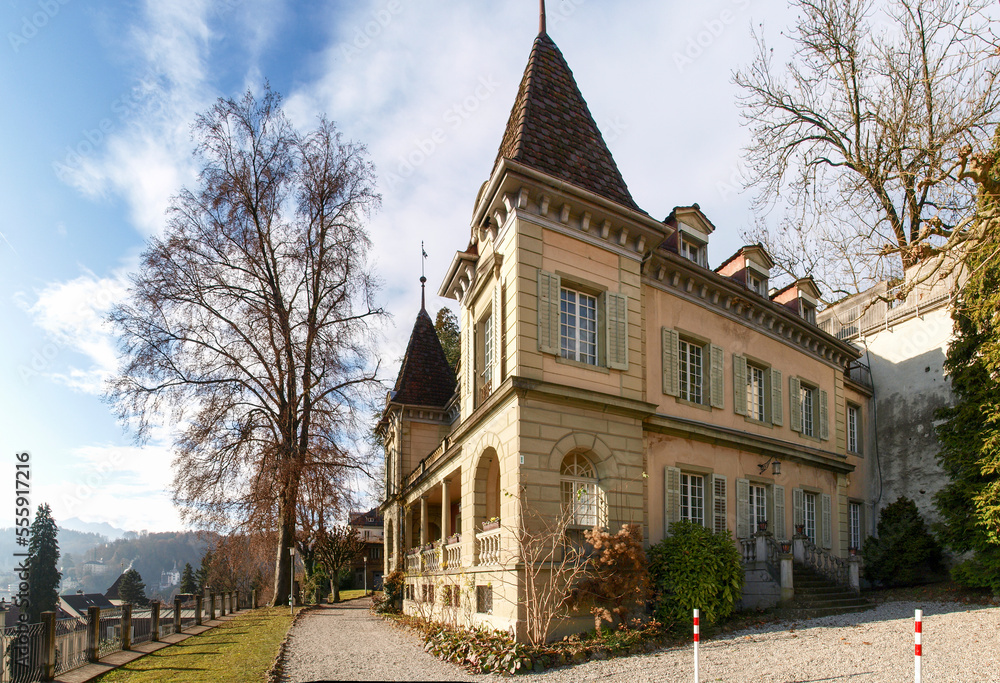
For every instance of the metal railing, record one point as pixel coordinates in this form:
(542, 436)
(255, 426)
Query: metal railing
(188, 613)
(142, 625)
(167, 620)
(22, 653)
(71, 644)
(110, 631)
(488, 547)
(830, 566)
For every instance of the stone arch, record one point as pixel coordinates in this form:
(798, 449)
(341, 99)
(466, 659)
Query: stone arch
(486, 487)
(592, 445)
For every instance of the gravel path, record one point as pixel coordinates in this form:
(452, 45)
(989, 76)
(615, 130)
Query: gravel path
(961, 643)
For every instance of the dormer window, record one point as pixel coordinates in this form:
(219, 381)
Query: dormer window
(756, 283)
(808, 311)
(693, 251)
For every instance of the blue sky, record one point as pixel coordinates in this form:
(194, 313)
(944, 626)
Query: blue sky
(95, 139)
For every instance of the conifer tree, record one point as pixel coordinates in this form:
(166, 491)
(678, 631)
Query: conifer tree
(132, 589)
(42, 564)
(188, 582)
(970, 436)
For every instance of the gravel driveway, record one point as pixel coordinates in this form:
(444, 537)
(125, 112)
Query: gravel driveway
(960, 643)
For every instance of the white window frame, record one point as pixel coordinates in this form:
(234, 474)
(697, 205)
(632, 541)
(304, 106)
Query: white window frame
(853, 420)
(809, 514)
(580, 492)
(693, 498)
(756, 392)
(756, 283)
(758, 506)
(694, 251)
(854, 525)
(578, 333)
(691, 376)
(808, 310)
(807, 401)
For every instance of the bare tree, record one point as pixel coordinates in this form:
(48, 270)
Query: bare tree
(861, 139)
(338, 547)
(249, 322)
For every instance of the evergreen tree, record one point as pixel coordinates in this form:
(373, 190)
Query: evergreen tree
(42, 564)
(201, 576)
(188, 582)
(446, 326)
(132, 589)
(970, 436)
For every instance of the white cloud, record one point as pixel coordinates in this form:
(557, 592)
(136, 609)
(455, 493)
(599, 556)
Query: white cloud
(73, 313)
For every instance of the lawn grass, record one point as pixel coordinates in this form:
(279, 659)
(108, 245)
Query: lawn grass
(239, 650)
(352, 594)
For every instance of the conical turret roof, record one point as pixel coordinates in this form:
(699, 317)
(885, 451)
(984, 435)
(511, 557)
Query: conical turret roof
(425, 378)
(550, 128)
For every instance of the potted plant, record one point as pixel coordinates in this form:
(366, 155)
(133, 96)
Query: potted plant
(454, 538)
(491, 524)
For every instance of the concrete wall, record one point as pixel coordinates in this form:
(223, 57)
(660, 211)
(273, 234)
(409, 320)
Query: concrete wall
(910, 386)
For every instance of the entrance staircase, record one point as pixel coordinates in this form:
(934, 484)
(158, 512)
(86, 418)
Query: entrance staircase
(816, 596)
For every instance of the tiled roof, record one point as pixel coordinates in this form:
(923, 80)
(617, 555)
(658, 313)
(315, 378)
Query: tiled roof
(425, 378)
(551, 130)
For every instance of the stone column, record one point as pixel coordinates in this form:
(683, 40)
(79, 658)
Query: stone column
(177, 614)
(423, 521)
(787, 583)
(93, 633)
(761, 539)
(197, 610)
(854, 571)
(798, 549)
(127, 626)
(211, 606)
(154, 620)
(48, 646)
(445, 509)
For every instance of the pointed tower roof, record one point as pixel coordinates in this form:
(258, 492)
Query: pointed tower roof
(550, 128)
(425, 378)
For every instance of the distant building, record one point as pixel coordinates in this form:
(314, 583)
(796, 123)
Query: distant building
(75, 605)
(171, 578)
(370, 527)
(95, 567)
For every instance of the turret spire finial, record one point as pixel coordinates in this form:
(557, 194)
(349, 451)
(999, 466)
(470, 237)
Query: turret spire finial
(423, 280)
(541, 17)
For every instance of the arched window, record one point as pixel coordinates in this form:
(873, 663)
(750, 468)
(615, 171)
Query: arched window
(581, 497)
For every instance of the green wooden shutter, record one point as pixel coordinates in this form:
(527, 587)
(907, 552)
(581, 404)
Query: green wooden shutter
(720, 524)
(617, 330)
(716, 396)
(824, 417)
(549, 285)
(827, 521)
(795, 404)
(671, 498)
(798, 508)
(777, 408)
(739, 384)
(670, 340)
(743, 508)
(497, 338)
(778, 496)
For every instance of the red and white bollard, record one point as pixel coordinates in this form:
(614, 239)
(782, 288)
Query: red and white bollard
(918, 618)
(697, 637)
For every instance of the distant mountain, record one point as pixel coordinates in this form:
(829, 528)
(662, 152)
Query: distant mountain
(102, 528)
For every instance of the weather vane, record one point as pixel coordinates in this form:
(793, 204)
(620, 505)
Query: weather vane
(541, 16)
(423, 280)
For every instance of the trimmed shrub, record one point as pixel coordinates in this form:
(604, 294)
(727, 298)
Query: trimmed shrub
(982, 571)
(904, 553)
(695, 568)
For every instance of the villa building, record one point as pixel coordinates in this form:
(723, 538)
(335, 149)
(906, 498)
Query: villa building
(610, 374)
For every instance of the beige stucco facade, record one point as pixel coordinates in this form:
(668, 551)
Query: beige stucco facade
(522, 407)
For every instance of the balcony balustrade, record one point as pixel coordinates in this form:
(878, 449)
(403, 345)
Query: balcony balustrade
(488, 547)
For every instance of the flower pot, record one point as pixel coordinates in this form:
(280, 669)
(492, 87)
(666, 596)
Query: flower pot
(490, 526)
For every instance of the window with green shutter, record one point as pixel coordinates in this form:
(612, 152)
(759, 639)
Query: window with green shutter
(716, 397)
(671, 497)
(549, 285)
(720, 522)
(739, 384)
(670, 340)
(777, 407)
(617, 330)
(778, 499)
